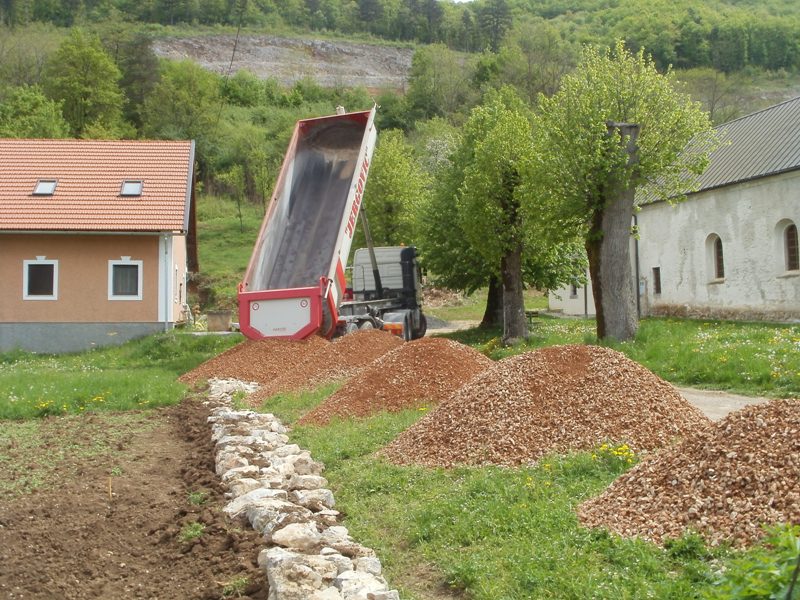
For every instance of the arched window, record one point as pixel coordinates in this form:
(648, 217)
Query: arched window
(719, 261)
(715, 262)
(791, 249)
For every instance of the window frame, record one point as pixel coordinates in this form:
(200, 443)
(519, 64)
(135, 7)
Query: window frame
(125, 261)
(791, 254)
(37, 191)
(656, 281)
(719, 259)
(39, 260)
(125, 182)
(573, 290)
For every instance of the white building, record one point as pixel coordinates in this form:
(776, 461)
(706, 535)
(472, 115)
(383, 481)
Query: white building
(731, 249)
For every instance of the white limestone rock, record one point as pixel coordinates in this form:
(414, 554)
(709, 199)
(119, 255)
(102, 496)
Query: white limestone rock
(317, 500)
(307, 482)
(239, 506)
(297, 536)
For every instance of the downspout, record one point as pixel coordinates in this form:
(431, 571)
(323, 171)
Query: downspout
(636, 256)
(166, 282)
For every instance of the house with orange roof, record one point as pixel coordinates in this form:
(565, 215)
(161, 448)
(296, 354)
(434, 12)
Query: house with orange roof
(93, 241)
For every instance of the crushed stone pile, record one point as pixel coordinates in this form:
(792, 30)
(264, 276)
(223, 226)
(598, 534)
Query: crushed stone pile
(256, 360)
(417, 373)
(287, 365)
(554, 399)
(724, 482)
(344, 357)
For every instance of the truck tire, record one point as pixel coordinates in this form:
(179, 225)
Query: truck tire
(408, 334)
(423, 327)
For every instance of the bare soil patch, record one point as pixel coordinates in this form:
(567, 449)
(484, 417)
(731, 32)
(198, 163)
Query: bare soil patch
(108, 524)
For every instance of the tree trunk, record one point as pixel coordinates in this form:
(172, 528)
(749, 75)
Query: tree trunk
(515, 325)
(608, 249)
(493, 315)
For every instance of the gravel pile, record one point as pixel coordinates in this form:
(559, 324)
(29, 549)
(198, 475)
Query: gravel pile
(550, 400)
(344, 357)
(422, 372)
(256, 360)
(723, 482)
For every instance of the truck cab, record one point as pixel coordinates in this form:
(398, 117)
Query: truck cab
(397, 305)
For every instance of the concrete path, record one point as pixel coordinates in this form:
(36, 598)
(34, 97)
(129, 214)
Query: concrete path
(716, 404)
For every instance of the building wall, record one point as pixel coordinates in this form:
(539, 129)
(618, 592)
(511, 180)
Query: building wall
(179, 270)
(577, 301)
(82, 278)
(749, 219)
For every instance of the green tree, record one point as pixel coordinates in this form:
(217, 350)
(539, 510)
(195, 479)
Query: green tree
(445, 251)
(490, 202)
(84, 78)
(439, 82)
(494, 19)
(185, 104)
(25, 112)
(534, 58)
(590, 161)
(395, 188)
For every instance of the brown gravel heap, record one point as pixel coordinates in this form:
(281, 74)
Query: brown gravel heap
(284, 365)
(551, 400)
(723, 482)
(256, 360)
(340, 359)
(425, 371)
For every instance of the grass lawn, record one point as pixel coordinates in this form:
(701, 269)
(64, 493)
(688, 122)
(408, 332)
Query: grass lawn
(225, 245)
(136, 375)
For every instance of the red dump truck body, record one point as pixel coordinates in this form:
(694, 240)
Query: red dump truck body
(295, 280)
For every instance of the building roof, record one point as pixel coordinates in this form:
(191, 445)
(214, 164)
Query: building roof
(89, 176)
(761, 144)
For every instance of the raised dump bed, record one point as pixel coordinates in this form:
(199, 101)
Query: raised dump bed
(295, 279)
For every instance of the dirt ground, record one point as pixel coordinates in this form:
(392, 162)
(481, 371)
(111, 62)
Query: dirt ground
(108, 524)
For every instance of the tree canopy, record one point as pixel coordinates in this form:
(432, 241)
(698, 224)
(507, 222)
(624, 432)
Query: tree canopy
(615, 124)
(82, 76)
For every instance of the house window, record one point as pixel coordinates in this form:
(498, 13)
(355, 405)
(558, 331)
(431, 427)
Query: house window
(715, 261)
(573, 291)
(131, 187)
(719, 261)
(45, 187)
(791, 248)
(657, 281)
(125, 279)
(40, 279)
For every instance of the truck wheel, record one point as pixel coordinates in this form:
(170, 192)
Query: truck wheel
(408, 335)
(423, 327)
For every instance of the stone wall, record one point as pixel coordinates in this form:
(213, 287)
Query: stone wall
(280, 490)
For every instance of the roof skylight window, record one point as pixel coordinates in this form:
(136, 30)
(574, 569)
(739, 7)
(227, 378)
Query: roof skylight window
(45, 187)
(131, 188)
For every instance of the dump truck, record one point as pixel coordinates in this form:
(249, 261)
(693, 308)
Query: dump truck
(297, 283)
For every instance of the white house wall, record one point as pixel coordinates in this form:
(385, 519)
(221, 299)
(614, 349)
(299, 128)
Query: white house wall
(746, 217)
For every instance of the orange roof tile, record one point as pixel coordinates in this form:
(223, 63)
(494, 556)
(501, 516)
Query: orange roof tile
(90, 175)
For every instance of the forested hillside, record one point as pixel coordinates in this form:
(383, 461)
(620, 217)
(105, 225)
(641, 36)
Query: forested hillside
(727, 35)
